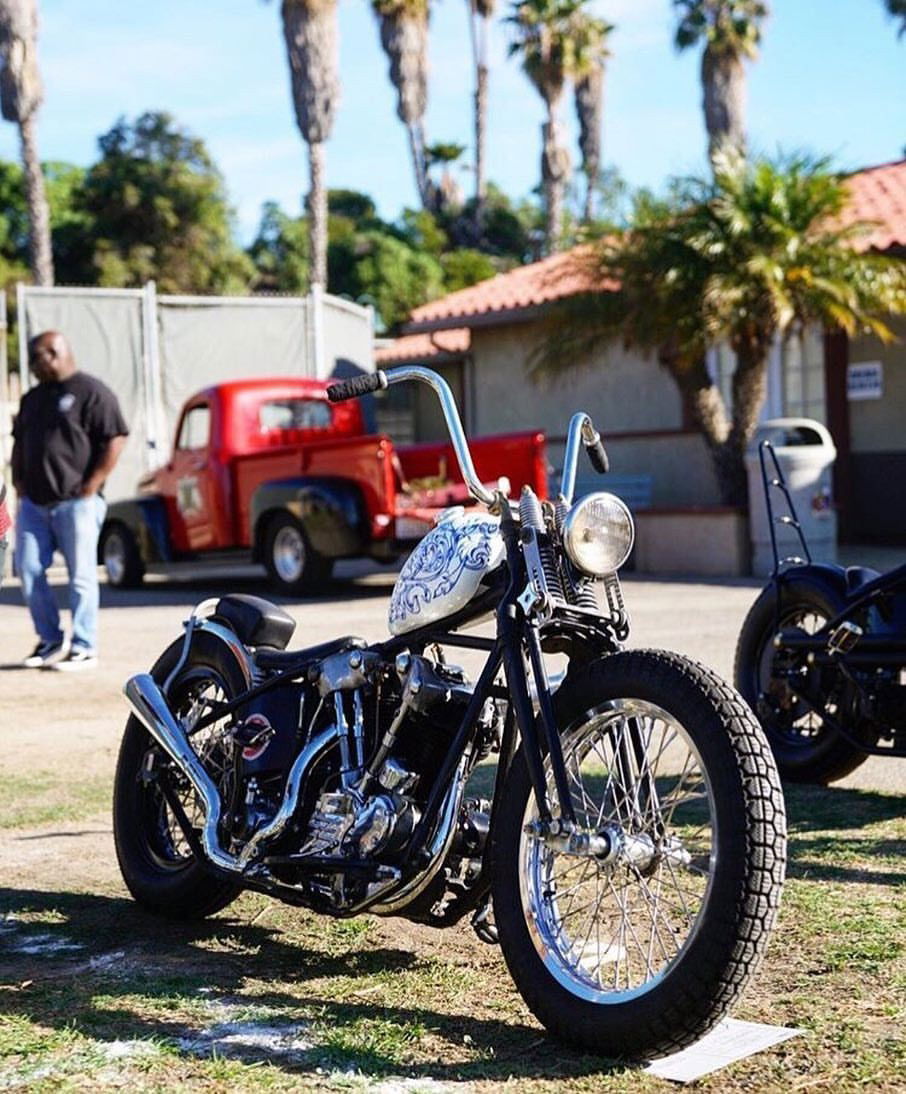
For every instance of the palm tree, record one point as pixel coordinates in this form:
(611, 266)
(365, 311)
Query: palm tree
(590, 37)
(21, 95)
(480, 14)
(404, 36)
(543, 38)
(731, 31)
(310, 32)
(897, 9)
(755, 254)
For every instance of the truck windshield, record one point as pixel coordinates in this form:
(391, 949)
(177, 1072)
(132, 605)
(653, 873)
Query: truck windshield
(294, 414)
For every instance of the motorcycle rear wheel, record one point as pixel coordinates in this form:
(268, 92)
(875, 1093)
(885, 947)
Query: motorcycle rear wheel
(639, 957)
(806, 749)
(155, 859)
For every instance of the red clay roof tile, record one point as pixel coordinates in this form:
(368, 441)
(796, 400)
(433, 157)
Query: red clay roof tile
(878, 195)
(423, 347)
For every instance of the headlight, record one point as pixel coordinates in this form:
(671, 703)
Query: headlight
(598, 534)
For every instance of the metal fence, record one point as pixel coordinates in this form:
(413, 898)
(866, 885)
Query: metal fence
(155, 350)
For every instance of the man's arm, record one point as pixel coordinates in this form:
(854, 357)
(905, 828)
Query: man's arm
(104, 466)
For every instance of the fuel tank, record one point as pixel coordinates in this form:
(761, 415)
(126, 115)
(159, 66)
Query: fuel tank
(445, 570)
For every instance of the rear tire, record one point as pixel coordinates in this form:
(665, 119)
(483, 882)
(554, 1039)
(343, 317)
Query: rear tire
(805, 748)
(294, 567)
(120, 557)
(640, 957)
(157, 865)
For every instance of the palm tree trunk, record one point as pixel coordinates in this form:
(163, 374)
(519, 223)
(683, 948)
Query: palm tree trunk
(39, 248)
(554, 173)
(724, 102)
(481, 123)
(589, 96)
(404, 36)
(417, 150)
(317, 214)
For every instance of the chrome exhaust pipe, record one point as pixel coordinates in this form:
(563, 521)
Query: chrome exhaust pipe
(149, 705)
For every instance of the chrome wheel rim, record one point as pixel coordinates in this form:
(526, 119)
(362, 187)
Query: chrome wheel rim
(610, 932)
(288, 554)
(114, 558)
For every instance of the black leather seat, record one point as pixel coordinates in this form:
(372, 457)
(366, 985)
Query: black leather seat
(255, 621)
(285, 660)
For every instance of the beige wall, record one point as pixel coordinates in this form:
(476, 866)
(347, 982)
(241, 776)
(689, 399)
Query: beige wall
(623, 393)
(879, 425)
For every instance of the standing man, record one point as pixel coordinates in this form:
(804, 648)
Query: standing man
(67, 438)
(5, 525)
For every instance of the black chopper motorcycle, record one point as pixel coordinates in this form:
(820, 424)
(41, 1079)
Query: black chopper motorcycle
(821, 657)
(631, 858)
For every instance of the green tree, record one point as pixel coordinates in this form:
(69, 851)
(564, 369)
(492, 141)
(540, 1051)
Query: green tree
(21, 94)
(310, 33)
(756, 253)
(543, 37)
(280, 252)
(159, 210)
(731, 32)
(404, 36)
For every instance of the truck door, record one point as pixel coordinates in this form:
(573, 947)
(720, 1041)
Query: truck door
(193, 483)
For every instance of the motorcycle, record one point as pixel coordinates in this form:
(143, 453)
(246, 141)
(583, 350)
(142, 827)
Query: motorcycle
(821, 656)
(630, 860)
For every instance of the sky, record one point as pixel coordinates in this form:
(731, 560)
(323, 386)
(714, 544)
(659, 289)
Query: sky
(831, 80)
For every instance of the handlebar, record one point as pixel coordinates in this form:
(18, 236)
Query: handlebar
(363, 385)
(581, 430)
(581, 427)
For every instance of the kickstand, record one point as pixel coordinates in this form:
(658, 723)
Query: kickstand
(482, 924)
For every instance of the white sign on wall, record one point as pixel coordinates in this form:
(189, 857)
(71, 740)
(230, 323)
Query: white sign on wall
(865, 380)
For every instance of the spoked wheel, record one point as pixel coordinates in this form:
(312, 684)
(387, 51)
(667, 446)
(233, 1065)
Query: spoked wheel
(806, 748)
(638, 942)
(156, 860)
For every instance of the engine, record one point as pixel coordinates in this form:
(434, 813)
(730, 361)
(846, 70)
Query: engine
(361, 800)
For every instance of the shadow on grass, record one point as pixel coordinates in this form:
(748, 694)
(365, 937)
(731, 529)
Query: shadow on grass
(817, 808)
(150, 969)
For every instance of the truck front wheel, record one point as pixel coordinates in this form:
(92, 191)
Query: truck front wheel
(293, 566)
(121, 557)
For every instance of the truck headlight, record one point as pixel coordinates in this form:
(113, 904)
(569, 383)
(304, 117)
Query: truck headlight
(598, 534)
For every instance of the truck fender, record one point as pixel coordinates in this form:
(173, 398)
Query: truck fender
(331, 511)
(146, 519)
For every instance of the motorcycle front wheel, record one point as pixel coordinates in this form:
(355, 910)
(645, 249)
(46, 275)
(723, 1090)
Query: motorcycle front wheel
(637, 953)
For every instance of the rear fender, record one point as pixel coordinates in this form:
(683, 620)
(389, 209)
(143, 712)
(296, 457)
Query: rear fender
(332, 512)
(146, 519)
(838, 584)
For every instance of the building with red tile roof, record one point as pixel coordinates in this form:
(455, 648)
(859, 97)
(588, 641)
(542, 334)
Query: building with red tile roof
(482, 337)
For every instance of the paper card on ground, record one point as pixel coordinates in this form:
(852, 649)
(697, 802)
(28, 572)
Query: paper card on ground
(729, 1041)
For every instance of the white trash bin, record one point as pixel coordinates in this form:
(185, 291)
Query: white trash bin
(806, 454)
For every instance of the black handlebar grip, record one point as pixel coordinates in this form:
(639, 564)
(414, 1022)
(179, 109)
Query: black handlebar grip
(598, 456)
(356, 387)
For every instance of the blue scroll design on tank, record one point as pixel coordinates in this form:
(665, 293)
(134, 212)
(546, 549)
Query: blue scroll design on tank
(435, 567)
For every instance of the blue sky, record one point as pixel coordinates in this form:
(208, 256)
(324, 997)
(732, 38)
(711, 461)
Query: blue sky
(831, 79)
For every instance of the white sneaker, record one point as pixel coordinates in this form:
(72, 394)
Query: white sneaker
(76, 660)
(44, 655)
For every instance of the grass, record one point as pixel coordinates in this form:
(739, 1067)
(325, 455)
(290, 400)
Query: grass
(47, 797)
(265, 997)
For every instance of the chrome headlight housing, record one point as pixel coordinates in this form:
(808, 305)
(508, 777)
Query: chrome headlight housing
(598, 534)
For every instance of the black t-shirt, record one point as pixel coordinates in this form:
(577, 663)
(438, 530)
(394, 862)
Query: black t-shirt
(60, 433)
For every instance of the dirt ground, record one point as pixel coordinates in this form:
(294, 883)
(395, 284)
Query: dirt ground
(65, 871)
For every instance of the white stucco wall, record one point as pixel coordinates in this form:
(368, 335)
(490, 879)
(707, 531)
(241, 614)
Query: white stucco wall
(879, 425)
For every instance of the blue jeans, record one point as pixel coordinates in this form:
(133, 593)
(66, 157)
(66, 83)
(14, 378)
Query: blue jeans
(70, 527)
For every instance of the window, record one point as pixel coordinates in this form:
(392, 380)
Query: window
(293, 414)
(195, 431)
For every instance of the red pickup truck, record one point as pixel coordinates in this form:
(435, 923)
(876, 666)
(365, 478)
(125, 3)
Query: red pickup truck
(268, 470)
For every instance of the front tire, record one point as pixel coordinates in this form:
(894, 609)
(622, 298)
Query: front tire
(639, 956)
(294, 567)
(806, 749)
(155, 860)
(121, 557)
